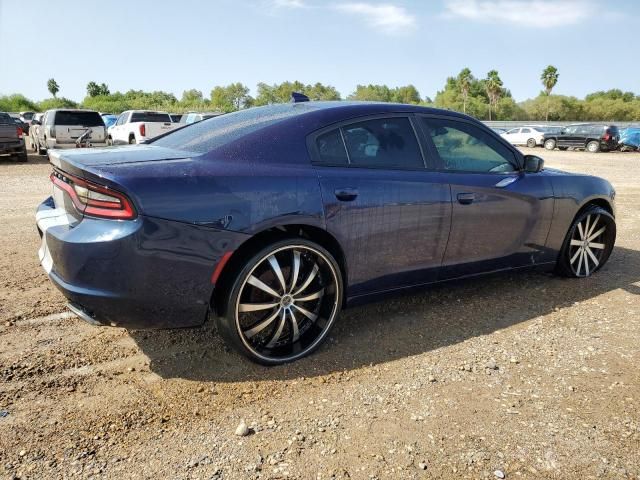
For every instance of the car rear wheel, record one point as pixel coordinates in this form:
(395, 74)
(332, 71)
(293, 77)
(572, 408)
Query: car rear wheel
(588, 243)
(531, 143)
(132, 140)
(283, 302)
(550, 144)
(593, 146)
(109, 141)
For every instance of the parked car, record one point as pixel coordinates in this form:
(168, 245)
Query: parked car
(630, 139)
(194, 117)
(24, 126)
(26, 117)
(592, 137)
(176, 117)
(33, 130)
(529, 135)
(62, 128)
(137, 126)
(11, 138)
(274, 218)
(109, 119)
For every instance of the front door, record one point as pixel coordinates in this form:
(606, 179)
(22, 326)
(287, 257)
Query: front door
(501, 215)
(389, 213)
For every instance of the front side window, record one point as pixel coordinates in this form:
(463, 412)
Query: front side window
(383, 142)
(513, 131)
(464, 147)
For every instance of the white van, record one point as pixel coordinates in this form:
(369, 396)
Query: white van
(62, 127)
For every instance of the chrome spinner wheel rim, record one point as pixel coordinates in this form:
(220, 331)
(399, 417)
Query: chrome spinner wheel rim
(588, 245)
(287, 303)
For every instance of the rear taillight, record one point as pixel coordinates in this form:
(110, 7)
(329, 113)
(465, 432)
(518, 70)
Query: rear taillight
(606, 137)
(19, 132)
(143, 130)
(93, 199)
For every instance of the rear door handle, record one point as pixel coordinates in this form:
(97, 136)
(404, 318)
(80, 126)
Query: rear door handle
(466, 198)
(346, 194)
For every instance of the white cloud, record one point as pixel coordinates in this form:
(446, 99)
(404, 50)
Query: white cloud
(527, 13)
(289, 3)
(389, 19)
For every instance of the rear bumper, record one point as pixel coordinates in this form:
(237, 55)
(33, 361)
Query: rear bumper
(12, 148)
(143, 273)
(51, 144)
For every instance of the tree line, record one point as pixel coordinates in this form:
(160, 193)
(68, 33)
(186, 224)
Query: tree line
(484, 98)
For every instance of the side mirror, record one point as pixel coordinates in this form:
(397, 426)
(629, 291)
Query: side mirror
(533, 164)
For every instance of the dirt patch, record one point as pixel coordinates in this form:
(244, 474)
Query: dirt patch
(527, 374)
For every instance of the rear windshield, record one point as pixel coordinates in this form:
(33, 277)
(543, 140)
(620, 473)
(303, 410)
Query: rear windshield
(86, 119)
(150, 117)
(205, 136)
(5, 118)
(28, 115)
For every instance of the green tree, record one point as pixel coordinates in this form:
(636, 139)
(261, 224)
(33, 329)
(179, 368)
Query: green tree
(93, 89)
(549, 78)
(374, 93)
(231, 98)
(493, 85)
(192, 96)
(53, 87)
(104, 89)
(407, 94)
(16, 103)
(464, 83)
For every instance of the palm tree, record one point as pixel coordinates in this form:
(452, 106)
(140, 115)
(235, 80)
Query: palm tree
(549, 79)
(53, 87)
(493, 85)
(464, 82)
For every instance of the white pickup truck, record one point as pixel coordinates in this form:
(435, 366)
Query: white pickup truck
(136, 126)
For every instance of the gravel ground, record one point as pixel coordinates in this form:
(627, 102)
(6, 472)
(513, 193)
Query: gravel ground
(519, 375)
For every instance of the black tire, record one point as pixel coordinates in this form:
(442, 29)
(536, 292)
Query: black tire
(550, 144)
(132, 140)
(109, 141)
(22, 157)
(263, 326)
(593, 146)
(531, 143)
(41, 151)
(600, 245)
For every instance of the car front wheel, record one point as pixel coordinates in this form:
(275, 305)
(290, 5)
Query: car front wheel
(588, 243)
(283, 302)
(550, 144)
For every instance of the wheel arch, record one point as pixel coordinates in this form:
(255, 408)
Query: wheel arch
(270, 235)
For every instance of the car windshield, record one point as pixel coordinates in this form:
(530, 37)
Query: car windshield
(86, 119)
(28, 115)
(150, 117)
(207, 135)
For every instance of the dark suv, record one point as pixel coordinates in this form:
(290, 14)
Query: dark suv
(590, 136)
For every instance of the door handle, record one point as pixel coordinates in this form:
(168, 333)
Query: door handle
(466, 198)
(346, 194)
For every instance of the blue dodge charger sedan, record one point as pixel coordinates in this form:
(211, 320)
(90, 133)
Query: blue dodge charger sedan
(273, 219)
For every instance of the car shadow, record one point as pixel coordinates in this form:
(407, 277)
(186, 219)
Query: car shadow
(33, 159)
(399, 327)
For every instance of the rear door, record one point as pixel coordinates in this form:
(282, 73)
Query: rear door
(389, 212)
(569, 137)
(71, 124)
(501, 215)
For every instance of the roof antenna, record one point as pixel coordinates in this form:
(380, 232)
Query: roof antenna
(297, 97)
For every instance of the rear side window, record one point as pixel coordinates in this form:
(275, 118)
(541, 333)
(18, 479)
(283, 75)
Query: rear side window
(331, 149)
(86, 119)
(463, 147)
(150, 117)
(384, 142)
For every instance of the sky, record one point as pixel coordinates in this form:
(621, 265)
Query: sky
(179, 45)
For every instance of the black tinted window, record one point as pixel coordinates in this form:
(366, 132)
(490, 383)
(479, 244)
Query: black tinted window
(86, 119)
(205, 136)
(5, 118)
(385, 142)
(150, 117)
(466, 148)
(331, 148)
